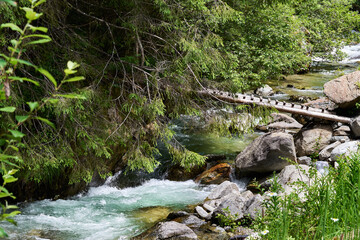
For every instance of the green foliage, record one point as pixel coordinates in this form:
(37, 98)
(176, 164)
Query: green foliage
(144, 61)
(326, 209)
(13, 113)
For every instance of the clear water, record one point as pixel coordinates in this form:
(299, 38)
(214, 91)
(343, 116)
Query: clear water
(311, 84)
(104, 212)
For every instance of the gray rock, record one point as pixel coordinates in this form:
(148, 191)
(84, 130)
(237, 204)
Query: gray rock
(326, 152)
(344, 149)
(344, 90)
(341, 139)
(174, 230)
(223, 189)
(308, 141)
(266, 153)
(193, 221)
(240, 206)
(322, 167)
(254, 206)
(291, 174)
(202, 213)
(322, 103)
(355, 126)
(208, 207)
(304, 160)
(264, 91)
(283, 121)
(343, 130)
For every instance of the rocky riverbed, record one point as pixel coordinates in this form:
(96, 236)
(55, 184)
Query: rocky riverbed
(288, 148)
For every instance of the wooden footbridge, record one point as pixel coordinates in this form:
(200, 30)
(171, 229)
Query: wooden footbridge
(280, 106)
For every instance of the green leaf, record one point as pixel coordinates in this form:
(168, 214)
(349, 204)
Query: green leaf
(15, 61)
(69, 72)
(14, 148)
(74, 79)
(48, 75)
(39, 2)
(12, 26)
(53, 100)
(14, 42)
(41, 29)
(21, 119)
(38, 35)
(2, 63)
(31, 15)
(3, 234)
(9, 179)
(13, 171)
(33, 105)
(21, 79)
(41, 41)
(72, 96)
(16, 133)
(46, 121)
(8, 109)
(2, 194)
(72, 65)
(12, 3)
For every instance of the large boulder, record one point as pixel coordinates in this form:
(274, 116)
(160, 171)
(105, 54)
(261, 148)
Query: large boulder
(267, 153)
(344, 91)
(168, 230)
(215, 175)
(222, 190)
(292, 174)
(309, 141)
(241, 205)
(345, 149)
(174, 230)
(326, 152)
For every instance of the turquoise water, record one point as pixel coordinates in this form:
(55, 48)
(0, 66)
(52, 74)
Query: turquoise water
(103, 212)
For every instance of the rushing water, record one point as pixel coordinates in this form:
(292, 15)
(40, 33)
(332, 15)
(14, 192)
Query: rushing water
(109, 212)
(311, 84)
(105, 212)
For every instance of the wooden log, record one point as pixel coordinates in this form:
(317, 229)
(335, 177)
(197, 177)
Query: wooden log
(295, 109)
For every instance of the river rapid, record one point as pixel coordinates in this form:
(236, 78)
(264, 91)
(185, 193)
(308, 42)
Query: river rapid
(112, 211)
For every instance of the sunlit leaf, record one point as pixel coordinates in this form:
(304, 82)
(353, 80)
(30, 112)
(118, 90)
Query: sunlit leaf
(39, 2)
(72, 65)
(12, 26)
(8, 109)
(73, 96)
(21, 119)
(16, 133)
(46, 121)
(31, 14)
(48, 75)
(33, 105)
(21, 79)
(74, 79)
(41, 29)
(41, 41)
(12, 3)
(38, 35)
(2, 63)
(53, 100)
